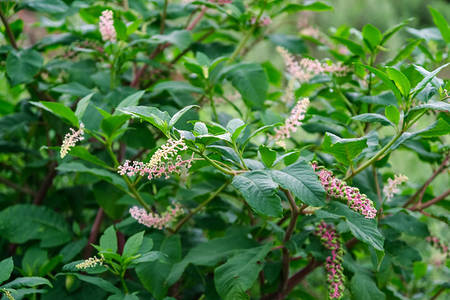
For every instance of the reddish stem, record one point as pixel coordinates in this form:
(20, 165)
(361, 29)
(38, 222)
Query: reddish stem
(94, 233)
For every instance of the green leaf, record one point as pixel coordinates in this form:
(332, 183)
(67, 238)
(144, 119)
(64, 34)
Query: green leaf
(352, 46)
(441, 24)
(310, 5)
(363, 229)
(391, 31)
(384, 77)
(420, 269)
(72, 88)
(26, 282)
(251, 82)
(268, 155)
(179, 114)
(84, 154)
(6, 268)
(131, 100)
(82, 106)
(149, 257)
(407, 224)
(21, 66)
(385, 98)
(344, 150)
(405, 52)
(302, 181)
(108, 240)
(372, 36)
(439, 128)
(34, 223)
(293, 44)
(438, 105)
(363, 287)
(427, 79)
(152, 115)
(373, 118)
(392, 114)
(180, 38)
(133, 244)
(239, 273)
(97, 281)
(235, 127)
(47, 6)
(211, 253)
(400, 80)
(110, 125)
(259, 192)
(59, 110)
(108, 176)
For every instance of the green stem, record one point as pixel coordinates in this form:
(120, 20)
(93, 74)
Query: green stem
(247, 37)
(163, 17)
(198, 208)
(213, 104)
(213, 163)
(374, 158)
(350, 107)
(122, 280)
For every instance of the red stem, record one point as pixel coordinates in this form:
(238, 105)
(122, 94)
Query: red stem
(94, 233)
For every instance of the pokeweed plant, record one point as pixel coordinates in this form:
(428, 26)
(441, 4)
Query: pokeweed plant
(217, 176)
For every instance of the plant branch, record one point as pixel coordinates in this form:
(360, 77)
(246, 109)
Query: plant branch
(197, 19)
(198, 208)
(17, 187)
(94, 233)
(432, 201)
(46, 184)
(8, 30)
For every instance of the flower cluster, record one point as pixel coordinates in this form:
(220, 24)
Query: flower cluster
(164, 161)
(339, 189)
(331, 240)
(292, 122)
(90, 263)
(106, 25)
(305, 69)
(153, 219)
(437, 243)
(391, 188)
(70, 139)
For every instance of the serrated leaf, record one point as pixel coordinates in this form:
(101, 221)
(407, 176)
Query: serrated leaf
(258, 190)
(302, 181)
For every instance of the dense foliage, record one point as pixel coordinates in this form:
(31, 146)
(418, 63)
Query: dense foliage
(145, 156)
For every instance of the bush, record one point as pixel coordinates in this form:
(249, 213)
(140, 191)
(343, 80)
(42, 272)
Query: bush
(143, 156)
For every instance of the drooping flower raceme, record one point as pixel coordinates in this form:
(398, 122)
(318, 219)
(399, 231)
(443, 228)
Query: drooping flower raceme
(391, 188)
(292, 123)
(305, 69)
(90, 263)
(164, 161)
(70, 139)
(153, 219)
(339, 189)
(7, 294)
(106, 25)
(331, 240)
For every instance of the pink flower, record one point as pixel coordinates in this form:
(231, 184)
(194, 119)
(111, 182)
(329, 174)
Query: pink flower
(164, 161)
(264, 21)
(337, 188)
(70, 139)
(391, 188)
(153, 219)
(305, 69)
(106, 25)
(331, 240)
(437, 243)
(292, 122)
(221, 2)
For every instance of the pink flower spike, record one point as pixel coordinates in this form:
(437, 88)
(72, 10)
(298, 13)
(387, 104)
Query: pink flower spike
(153, 219)
(70, 139)
(331, 240)
(391, 188)
(292, 122)
(337, 188)
(106, 25)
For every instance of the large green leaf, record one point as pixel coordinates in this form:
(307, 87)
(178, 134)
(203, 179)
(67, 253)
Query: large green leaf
(154, 116)
(308, 5)
(258, 190)
(429, 76)
(72, 88)
(47, 6)
(344, 150)
(108, 240)
(386, 80)
(132, 100)
(372, 36)
(24, 222)
(238, 274)
(6, 268)
(441, 24)
(302, 181)
(363, 229)
(251, 82)
(97, 281)
(363, 287)
(180, 38)
(21, 66)
(210, 253)
(59, 110)
(407, 224)
(31, 281)
(133, 244)
(372, 118)
(400, 80)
